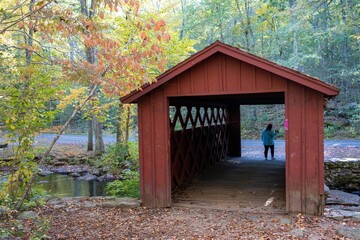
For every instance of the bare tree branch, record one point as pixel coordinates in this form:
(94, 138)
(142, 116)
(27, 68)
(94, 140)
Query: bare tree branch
(91, 94)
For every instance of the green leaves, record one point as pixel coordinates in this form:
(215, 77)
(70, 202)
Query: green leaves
(130, 187)
(25, 112)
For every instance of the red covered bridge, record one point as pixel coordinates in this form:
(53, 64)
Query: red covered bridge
(190, 119)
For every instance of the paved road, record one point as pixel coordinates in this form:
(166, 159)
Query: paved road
(327, 143)
(71, 139)
(82, 139)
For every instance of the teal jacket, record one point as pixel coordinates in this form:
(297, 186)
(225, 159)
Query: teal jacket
(268, 137)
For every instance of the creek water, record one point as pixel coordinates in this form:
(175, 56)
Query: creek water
(59, 185)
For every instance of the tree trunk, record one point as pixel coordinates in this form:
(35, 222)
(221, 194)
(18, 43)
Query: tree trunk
(70, 118)
(118, 133)
(29, 37)
(183, 16)
(118, 128)
(90, 145)
(127, 127)
(246, 24)
(89, 12)
(99, 141)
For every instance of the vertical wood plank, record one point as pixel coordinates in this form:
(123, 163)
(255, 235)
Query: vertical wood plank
(294, 148)
(145, 155)
(262, 79)
(223, 86)
(161, 149)
(321, 168)
(185, 82)
(278, 83)
(247, 77)
(172, 87)
(232, 74)
(314, 158)
(304, 150)
(141, 147)
(198, 78)
(213, 71)
(234, 131)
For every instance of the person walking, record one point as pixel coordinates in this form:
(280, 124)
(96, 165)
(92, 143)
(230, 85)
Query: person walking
(267, 137)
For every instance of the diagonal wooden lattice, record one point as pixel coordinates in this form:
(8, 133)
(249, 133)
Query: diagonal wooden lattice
(199, 138)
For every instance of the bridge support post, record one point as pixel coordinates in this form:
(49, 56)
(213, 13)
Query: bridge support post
(234, 131)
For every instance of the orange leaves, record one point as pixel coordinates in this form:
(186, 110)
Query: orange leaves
(134, 5)
(110, 5)
(122, 62)
(161, 64)
(155, 48)
(21, 24)
(166, 37)
(88, 42)
(159, 25)
(102, 15)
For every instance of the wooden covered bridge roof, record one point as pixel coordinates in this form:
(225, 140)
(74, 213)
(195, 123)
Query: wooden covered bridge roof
(219, 47)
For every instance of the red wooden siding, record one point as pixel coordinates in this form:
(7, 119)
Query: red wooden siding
(154, 150)
(228, 52)
(220, 74)
(304, 150)
(234, 131)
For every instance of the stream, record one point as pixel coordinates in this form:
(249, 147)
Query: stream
(60, 185)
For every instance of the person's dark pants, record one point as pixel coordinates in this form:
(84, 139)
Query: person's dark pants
(267, 150)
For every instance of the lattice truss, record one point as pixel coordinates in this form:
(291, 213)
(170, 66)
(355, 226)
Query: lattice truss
(199, 138)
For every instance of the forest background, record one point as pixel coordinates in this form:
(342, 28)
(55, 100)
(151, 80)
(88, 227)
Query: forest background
(319, 38)
(53, 53)
(65, 63)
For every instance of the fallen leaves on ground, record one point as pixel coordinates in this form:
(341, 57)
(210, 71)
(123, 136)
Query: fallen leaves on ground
(185, 223)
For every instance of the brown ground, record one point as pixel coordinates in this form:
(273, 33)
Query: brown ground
(187, 223)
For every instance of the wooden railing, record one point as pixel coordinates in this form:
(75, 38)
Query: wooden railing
(199, 138)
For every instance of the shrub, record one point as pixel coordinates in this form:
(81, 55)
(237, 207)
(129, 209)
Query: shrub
(119, 155)
(130, 187)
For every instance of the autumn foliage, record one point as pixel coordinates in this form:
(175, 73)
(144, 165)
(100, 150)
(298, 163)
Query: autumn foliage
(110, 47)
(125, 55)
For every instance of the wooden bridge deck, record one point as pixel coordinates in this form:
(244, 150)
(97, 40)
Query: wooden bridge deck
(245, 184)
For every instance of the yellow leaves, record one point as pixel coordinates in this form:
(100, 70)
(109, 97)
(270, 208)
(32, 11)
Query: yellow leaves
(75, 96)
(262, 10)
